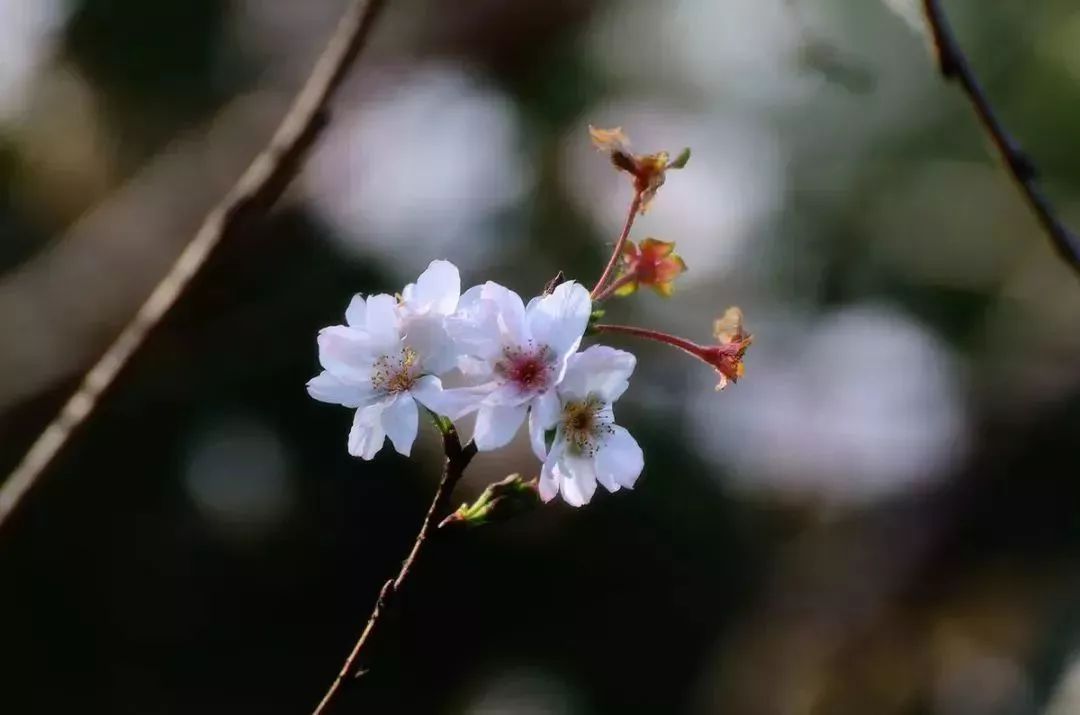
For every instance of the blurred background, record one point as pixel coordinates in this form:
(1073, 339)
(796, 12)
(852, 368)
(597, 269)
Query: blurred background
(879, 519)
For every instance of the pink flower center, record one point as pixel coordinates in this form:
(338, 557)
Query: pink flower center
(530, 368)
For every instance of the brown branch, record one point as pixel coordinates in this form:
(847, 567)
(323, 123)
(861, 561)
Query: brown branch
(253, 195)
(457, 459)
(955, 66)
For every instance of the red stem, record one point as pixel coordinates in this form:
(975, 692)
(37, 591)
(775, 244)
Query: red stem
(687, 346)
(635, 206)
(615, 285)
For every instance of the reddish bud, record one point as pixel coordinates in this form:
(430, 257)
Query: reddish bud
(648, 171)
(727, 356)
(653, 263)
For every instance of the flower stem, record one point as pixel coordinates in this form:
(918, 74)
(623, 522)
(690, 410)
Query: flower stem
(457, 459)
(635, 206)
(687, 346)
(615, 285)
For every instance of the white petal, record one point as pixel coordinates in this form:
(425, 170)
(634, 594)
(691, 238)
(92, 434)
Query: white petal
(496, 425)
(474, 369)
(474, 327)
(429, 392)
(453, 403)
(346, 352)
(401, 422)
(543, 415)
(510, 313)
(382, 321)
(549, 481)
(558, 320)
(434, 348)
(356, 313)
(367, 436)
(619, 460)
(577, 479)
(598, 371)
(325, 387)
(438, 288)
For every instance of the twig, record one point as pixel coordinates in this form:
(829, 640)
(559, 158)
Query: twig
(255, 193)
(457, 459)
(614, 286)
(954, 65)
(635, 206)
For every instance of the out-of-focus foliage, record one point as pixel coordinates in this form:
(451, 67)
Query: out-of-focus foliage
(880, 517)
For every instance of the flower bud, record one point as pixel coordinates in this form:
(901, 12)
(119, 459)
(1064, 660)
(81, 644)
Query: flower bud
(498, 502)
(653, 263)
(647, 170)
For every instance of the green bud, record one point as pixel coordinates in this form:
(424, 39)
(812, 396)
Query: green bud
(594, 318)
(498, 502)
(441, 422)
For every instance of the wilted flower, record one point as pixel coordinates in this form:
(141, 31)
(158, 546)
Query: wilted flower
(386, 358)
(514, 354)
(654, 263)
(727, 356)
(588, 446)
(648, 170)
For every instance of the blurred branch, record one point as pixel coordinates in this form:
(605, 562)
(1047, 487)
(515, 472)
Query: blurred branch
(253, 195)
(955, 66)
(457, 459)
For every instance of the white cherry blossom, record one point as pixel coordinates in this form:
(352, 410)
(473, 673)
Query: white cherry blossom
(386, 358)
(588, 446)
(515, 356)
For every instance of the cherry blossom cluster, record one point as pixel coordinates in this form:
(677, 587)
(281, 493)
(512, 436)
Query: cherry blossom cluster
(489, 353)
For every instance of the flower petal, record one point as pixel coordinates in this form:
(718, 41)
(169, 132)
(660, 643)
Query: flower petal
(619, 460)
(543, 415)
(474, 327)
(436, 290)
(558, 320)
(599, 371)
(664, 289)
(549, 480)
(356, 313)
(400, 420)
(628, 288)
(367, 436)
(382, 321)
(654, 248)
(454, 402)
(426, 334)
(326, 387)
(510, 313)
(496, 425)
(489, 317)
(577, 479)
(347, 353)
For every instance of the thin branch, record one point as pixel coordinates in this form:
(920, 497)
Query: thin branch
(457, 459)
(253, 195)
(955, 66)
(635, 206)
